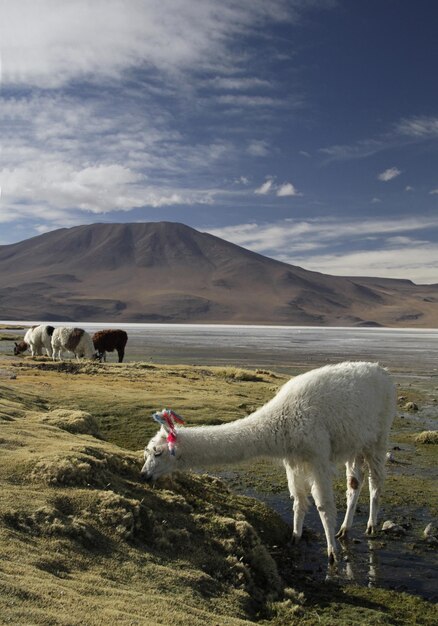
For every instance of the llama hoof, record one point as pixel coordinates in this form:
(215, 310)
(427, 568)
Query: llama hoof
(342, 534)
(295, 539)
(370, 530)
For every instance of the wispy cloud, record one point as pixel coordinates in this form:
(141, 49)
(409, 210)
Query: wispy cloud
(433, 192)
(389, 174)
(258, 148)
(404, 132)
(420, 127)
(359, 150)
(242, 83)
(376, 247)
(416, 262)
(49, 43)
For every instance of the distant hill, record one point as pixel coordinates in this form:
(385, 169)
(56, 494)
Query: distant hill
(167, 272)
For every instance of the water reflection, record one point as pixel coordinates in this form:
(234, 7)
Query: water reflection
(381, 561)
(357, 566)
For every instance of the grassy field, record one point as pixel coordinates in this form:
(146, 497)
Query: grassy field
(82, 541)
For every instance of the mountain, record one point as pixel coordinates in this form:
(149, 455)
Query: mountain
(167, 272)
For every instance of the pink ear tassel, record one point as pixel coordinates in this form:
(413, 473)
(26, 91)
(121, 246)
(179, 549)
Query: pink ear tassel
(171, 440)
(170, 417)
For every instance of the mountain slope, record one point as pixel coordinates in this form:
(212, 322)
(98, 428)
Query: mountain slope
(169, 272)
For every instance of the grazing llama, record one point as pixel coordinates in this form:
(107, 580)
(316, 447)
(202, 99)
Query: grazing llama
(109, 340)
(35, 339)
(337, 413)
(74, 340)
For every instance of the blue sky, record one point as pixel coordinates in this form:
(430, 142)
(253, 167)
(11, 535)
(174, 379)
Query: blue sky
(306, 130)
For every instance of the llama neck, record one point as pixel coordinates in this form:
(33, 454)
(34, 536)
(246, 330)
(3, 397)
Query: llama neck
(254, 436)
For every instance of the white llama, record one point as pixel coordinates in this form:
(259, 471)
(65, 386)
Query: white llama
(74, 340)
(337, 413)
(35, 339)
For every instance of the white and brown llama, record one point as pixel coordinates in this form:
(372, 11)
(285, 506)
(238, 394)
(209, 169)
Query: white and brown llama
(337, 413)
(35, 339)
(74, 340)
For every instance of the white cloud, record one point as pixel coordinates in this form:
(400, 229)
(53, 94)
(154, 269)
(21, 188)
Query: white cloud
(287, 190)
(418, 263)
(389, 174)
(409, 188)
(376, 200)
(433, 192)
(66, 155)
(265, 188)
(96, 189)
(282, 191)
(310, 244)
(49, 43)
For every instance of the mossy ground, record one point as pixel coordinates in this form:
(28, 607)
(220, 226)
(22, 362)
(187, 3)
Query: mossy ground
(83, 542)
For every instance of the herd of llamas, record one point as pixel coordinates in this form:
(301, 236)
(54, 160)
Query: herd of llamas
(337, 413)
(56, 341)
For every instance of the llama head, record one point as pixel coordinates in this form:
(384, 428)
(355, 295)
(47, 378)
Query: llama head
(159, 458)
(20, 347)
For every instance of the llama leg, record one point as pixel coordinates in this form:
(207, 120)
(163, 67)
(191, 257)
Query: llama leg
(322, 492)
(121, 353)
(298, 489)
(354, 485)
(376, 479)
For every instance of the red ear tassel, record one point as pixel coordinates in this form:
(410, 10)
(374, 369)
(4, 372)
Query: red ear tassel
(176, 417)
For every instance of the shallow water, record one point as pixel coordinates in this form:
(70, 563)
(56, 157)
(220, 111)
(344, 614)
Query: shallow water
(399, 563)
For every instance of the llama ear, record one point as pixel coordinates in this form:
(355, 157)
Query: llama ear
(160, 420)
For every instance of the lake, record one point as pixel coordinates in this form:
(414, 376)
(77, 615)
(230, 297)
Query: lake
(280, 348)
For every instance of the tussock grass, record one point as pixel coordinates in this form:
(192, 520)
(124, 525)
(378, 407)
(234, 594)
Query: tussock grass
(427, 437)
(237, 373)
(75, 517)
(78, 422)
